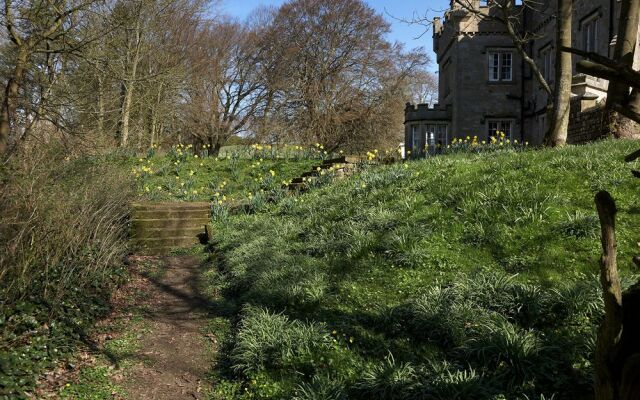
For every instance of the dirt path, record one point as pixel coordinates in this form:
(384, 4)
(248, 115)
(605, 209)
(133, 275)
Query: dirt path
(176, 355)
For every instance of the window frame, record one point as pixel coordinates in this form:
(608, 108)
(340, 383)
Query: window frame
(500, 127)
(499, 68)
(415, 139)
(590, 25)
(546, 58)
(438, 138)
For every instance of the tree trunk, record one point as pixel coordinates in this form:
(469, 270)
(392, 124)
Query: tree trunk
(8, 114)
(618, 345)
(625, 48)
(618, 92)
(215, 149)
(559, 121)
(101, 110)
(154, 111)
(611, 328)
(128, 85)
(125, 113)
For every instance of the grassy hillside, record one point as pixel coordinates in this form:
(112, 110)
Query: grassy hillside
(465, 276)
(237, 175)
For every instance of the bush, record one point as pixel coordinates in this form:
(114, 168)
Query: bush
(62, 238)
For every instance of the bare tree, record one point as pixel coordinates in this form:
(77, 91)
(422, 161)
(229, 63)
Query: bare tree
(148, 45)
(225, 89)
(423, 87)
(33, 27)
(336, 71)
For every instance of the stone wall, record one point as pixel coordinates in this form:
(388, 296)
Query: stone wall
(587, 125)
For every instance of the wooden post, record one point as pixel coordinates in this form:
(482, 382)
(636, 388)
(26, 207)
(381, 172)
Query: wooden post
(607, 375)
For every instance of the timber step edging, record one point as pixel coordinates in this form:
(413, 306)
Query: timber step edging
(150, 233)
(156, 228)
(170, 214)
(171, 206)
(168, 223)
(169, 241)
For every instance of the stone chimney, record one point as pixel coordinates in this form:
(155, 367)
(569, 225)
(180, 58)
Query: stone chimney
(437, 30)
(437, 25)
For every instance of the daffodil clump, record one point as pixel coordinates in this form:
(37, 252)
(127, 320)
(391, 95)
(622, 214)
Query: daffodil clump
(474, 144)
(316, 151)
(187, 173)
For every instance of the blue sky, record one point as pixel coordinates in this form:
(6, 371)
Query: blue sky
(392, 10)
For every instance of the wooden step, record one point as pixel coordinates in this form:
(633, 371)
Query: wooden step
(179, 241)
(345, 160)
(200, 205)
(167, 223)
(157, 228)
(170, 214)
(310, 174)
(150, 233)
(337, 160)
(355, 159)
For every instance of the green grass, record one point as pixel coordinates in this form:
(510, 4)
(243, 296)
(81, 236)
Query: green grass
(94, 383)
(462, 276)
(184, 176)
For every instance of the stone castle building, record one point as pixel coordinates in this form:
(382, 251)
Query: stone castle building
(484, 86)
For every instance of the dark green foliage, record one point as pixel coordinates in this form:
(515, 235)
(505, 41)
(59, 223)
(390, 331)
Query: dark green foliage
(458, 277)
(272, 342)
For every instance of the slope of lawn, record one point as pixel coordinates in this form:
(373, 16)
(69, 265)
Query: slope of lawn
(467, 276)
(238, 174)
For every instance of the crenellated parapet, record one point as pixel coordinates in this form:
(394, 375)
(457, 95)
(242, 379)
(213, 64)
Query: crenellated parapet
(435, 112)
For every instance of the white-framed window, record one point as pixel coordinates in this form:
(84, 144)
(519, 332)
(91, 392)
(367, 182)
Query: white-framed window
(546, 59)
(415, 139)
(500, 65)
(437, 136)
(590, 34)
(497, 127)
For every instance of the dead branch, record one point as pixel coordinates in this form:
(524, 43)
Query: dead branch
(611, 328)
